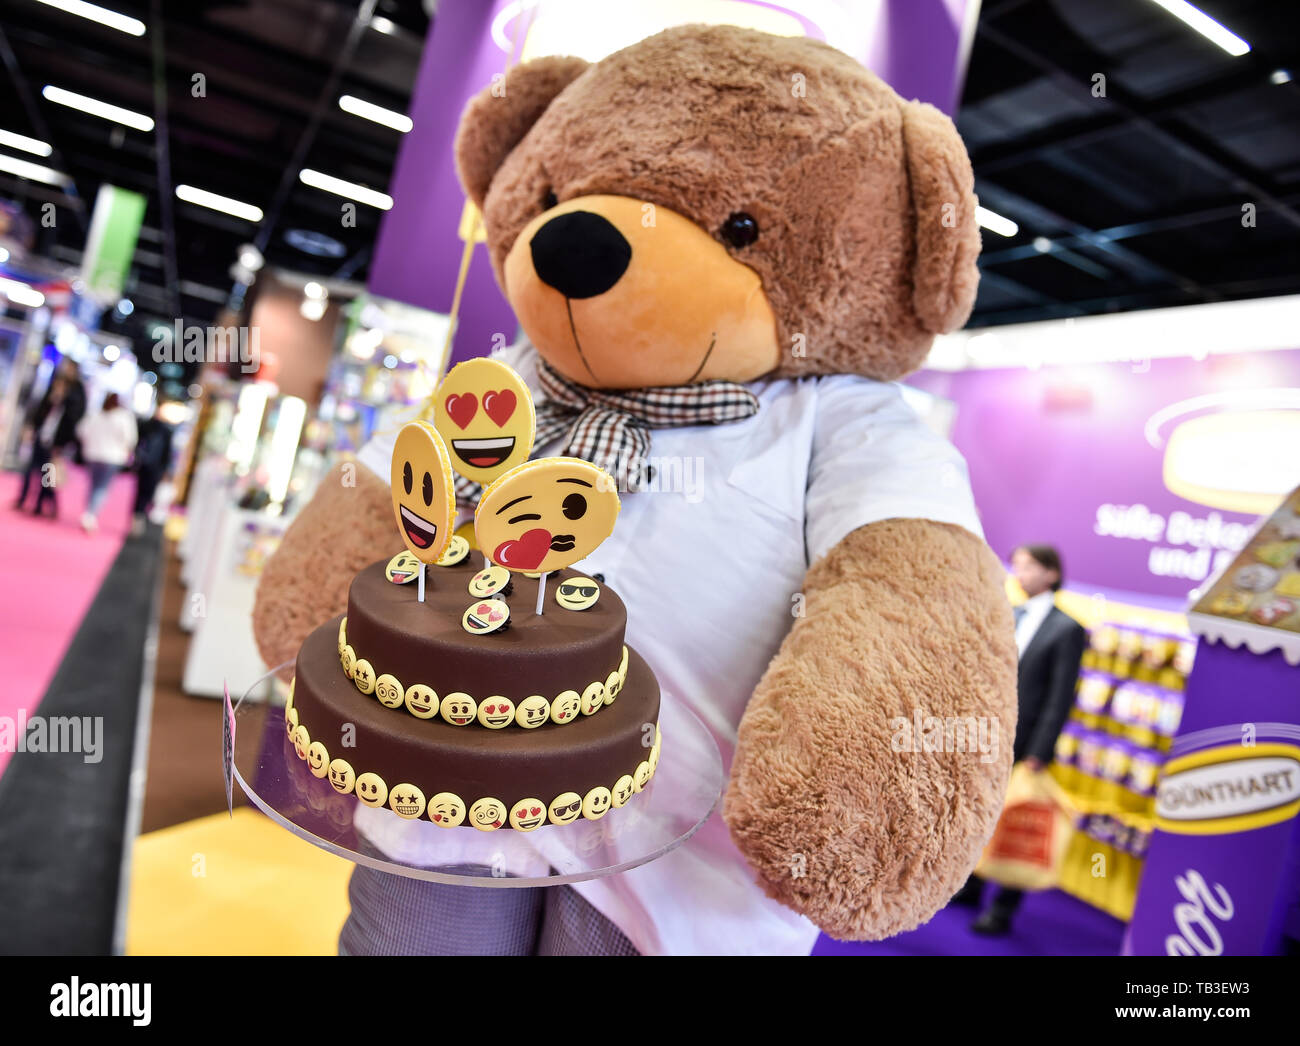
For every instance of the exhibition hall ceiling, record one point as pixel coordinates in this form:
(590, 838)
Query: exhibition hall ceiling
(1141, 164)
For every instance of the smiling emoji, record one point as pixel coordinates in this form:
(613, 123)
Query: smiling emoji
(342, 779)
(457, 550)
(488, 615)
(564, 709)
(579, 593)
(424, 500)
(547, 514)
(421, 701)
(458, 709)
(318, 759)
(533, 712)
(527, 814)
(496, 712)
(623, 789)
(489, 581)
(301, 741)
(406, 801)
(446, 810)
(484, 413)
(565, 808)
(595, 804)
(487, 815)
(402, 568)
(371, 790)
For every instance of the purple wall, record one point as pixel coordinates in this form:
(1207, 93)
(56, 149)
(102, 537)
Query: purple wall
(1048, 447)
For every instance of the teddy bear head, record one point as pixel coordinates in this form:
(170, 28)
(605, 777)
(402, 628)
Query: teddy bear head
(715, 202)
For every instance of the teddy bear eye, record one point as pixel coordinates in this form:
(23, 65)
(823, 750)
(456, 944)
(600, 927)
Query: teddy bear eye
(549, 200)
(740, 230)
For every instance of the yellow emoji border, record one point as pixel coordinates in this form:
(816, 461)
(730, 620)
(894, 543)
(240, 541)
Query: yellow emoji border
(626, 786)
(349, 659)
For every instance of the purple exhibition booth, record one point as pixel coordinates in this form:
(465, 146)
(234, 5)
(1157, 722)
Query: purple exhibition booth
(1081, 433)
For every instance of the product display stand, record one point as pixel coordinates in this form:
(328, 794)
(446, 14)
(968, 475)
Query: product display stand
(1221, 875)
(682, 795)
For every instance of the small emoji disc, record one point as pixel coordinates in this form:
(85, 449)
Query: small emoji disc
(390, 692)
(564, 709)
(487, 815)
(533, 712)
(458, 709)
(496, 712)
(613, 684)
(484, 413)
(527, 814)
(343, 634)
(489, 581)
(348, 659)
(301, 741)
(546, 514)
(342, 779)
(402, 569)
(487, 615)
(622, 666)
(371, 790)
(424, 499)
(363, 675)
(457, 550)
(623, 789)
(421, 701)
(579, 593)
(447, 810)
(565, 808)
(406, 801)
(318, 760)
(290, 720)
(642, 776)
(595, 804)
(593, 698)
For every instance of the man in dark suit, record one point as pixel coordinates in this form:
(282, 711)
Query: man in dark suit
(1051, 646)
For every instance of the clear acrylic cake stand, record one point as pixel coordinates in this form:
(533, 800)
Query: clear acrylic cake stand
(680, 797)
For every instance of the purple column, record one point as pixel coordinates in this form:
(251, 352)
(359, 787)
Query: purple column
(417, 254)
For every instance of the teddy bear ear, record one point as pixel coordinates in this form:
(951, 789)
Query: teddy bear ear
(497, 118)
(944, 275)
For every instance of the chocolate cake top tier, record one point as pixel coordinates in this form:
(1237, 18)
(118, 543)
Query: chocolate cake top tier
(426, 642)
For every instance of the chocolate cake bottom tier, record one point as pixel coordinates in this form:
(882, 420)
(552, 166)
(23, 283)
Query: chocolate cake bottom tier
(454, 775)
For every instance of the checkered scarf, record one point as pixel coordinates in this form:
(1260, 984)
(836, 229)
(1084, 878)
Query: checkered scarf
(611, 427)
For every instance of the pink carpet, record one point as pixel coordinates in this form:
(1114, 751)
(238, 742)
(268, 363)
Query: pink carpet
(50, 570)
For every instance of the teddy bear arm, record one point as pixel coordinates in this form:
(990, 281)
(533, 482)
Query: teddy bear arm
(346, 525)
(830, 800)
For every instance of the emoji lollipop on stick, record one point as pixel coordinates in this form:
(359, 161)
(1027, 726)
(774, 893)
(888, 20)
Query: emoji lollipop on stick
(484, 413)
(424, 500)
(545, 515)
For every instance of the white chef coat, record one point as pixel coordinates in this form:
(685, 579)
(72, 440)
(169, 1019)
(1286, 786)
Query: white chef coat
(709, 573)
(1035, 611)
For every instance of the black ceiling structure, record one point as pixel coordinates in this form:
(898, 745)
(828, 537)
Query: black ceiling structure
(1134, 199)
(1128, 200)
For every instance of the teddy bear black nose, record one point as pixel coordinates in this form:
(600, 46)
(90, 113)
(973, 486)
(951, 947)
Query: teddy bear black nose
(580, 254)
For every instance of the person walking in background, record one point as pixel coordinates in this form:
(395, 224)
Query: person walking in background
(153, 458)
(107, 439)
(52, 428)
(1051, 645)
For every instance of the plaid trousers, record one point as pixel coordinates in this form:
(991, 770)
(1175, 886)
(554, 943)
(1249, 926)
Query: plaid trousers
(397, 915)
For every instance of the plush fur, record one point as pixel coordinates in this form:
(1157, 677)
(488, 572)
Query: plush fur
(902, 615)
(347, 525)
(867, 248)
(864, 202)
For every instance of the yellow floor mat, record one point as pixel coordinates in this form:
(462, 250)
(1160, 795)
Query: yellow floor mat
(246, 886)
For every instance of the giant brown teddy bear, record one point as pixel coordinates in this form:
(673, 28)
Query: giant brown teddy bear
(807, 222)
